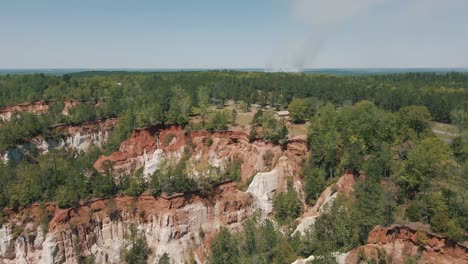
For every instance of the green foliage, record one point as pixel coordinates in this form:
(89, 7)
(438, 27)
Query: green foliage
(355, 135)
(332, 231)
(232, 171)
(22, 126)
(220, 120)
(257, 243)
(426, 161)
(268, 159)
(132, 185)
(179, 107)
(272, 129)
(172, 178)
(224, 248)
(459, 118)
(368, 209)
(415, 117)
(149, 115)
(340, 139)
(459, 147)
(287, 205)
(87, 259)
(164, 259)
(299, 110)
(82, 112)
(315, 183)
(138, 252)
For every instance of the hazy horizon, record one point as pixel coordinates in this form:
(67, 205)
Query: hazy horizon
(208, 34)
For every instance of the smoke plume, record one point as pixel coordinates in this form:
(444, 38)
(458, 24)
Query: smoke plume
(320, 18)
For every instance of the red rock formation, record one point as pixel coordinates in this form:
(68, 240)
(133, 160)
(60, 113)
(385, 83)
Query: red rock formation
(137, 151)
(176, 225)
(403, 242)
(39, 107)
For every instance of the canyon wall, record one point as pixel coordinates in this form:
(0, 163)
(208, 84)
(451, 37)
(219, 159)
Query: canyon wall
(181, 226)
(404, 243)
(77, 137)
(147, 148)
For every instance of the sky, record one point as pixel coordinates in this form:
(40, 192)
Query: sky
(270, 34)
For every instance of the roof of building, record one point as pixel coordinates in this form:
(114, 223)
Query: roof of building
(282, 113)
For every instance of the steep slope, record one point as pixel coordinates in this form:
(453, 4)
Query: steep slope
(146, 148)
(78, 137)
(180, 225)
(177, 225)
(401, 243)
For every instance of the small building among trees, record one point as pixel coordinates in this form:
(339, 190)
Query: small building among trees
(282, 115)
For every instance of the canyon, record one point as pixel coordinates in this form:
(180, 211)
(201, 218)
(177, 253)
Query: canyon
(183, 225)
(180, 225)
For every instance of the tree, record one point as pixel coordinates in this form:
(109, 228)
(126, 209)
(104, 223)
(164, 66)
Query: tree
(180, 107)
(298, 110)
(369, 208)
(138, 252)
(164, 259)
(424, 162)
(459, 118)
(224, 248)
(220, 120)
(203, 96)
(416, 117)
(287, 205)
(149, 115)
(315, 183)
(459, 147)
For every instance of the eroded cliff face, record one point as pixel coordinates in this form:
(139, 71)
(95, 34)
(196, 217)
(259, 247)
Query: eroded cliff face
(146, 149)
(77, 137)
(38, 108)
(344, 185)
(270, 165)
(181, 226)
(401, 243)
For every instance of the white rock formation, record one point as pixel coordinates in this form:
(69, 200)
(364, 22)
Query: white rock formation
(304, 261)
(265, 184)
(262, 188)
(78, 141)
(153, 162)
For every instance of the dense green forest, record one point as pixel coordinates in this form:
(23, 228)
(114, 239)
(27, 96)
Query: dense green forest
(376, 127)
(440, 93)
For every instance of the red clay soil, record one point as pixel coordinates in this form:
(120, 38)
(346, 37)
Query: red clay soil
(401, 242)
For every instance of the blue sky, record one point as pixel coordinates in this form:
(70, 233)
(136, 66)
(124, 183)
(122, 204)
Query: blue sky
(276, 34)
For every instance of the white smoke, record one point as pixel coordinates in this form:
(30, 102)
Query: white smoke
(321, 18)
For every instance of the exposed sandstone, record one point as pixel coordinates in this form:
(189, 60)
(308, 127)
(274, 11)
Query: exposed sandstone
(177, 225)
